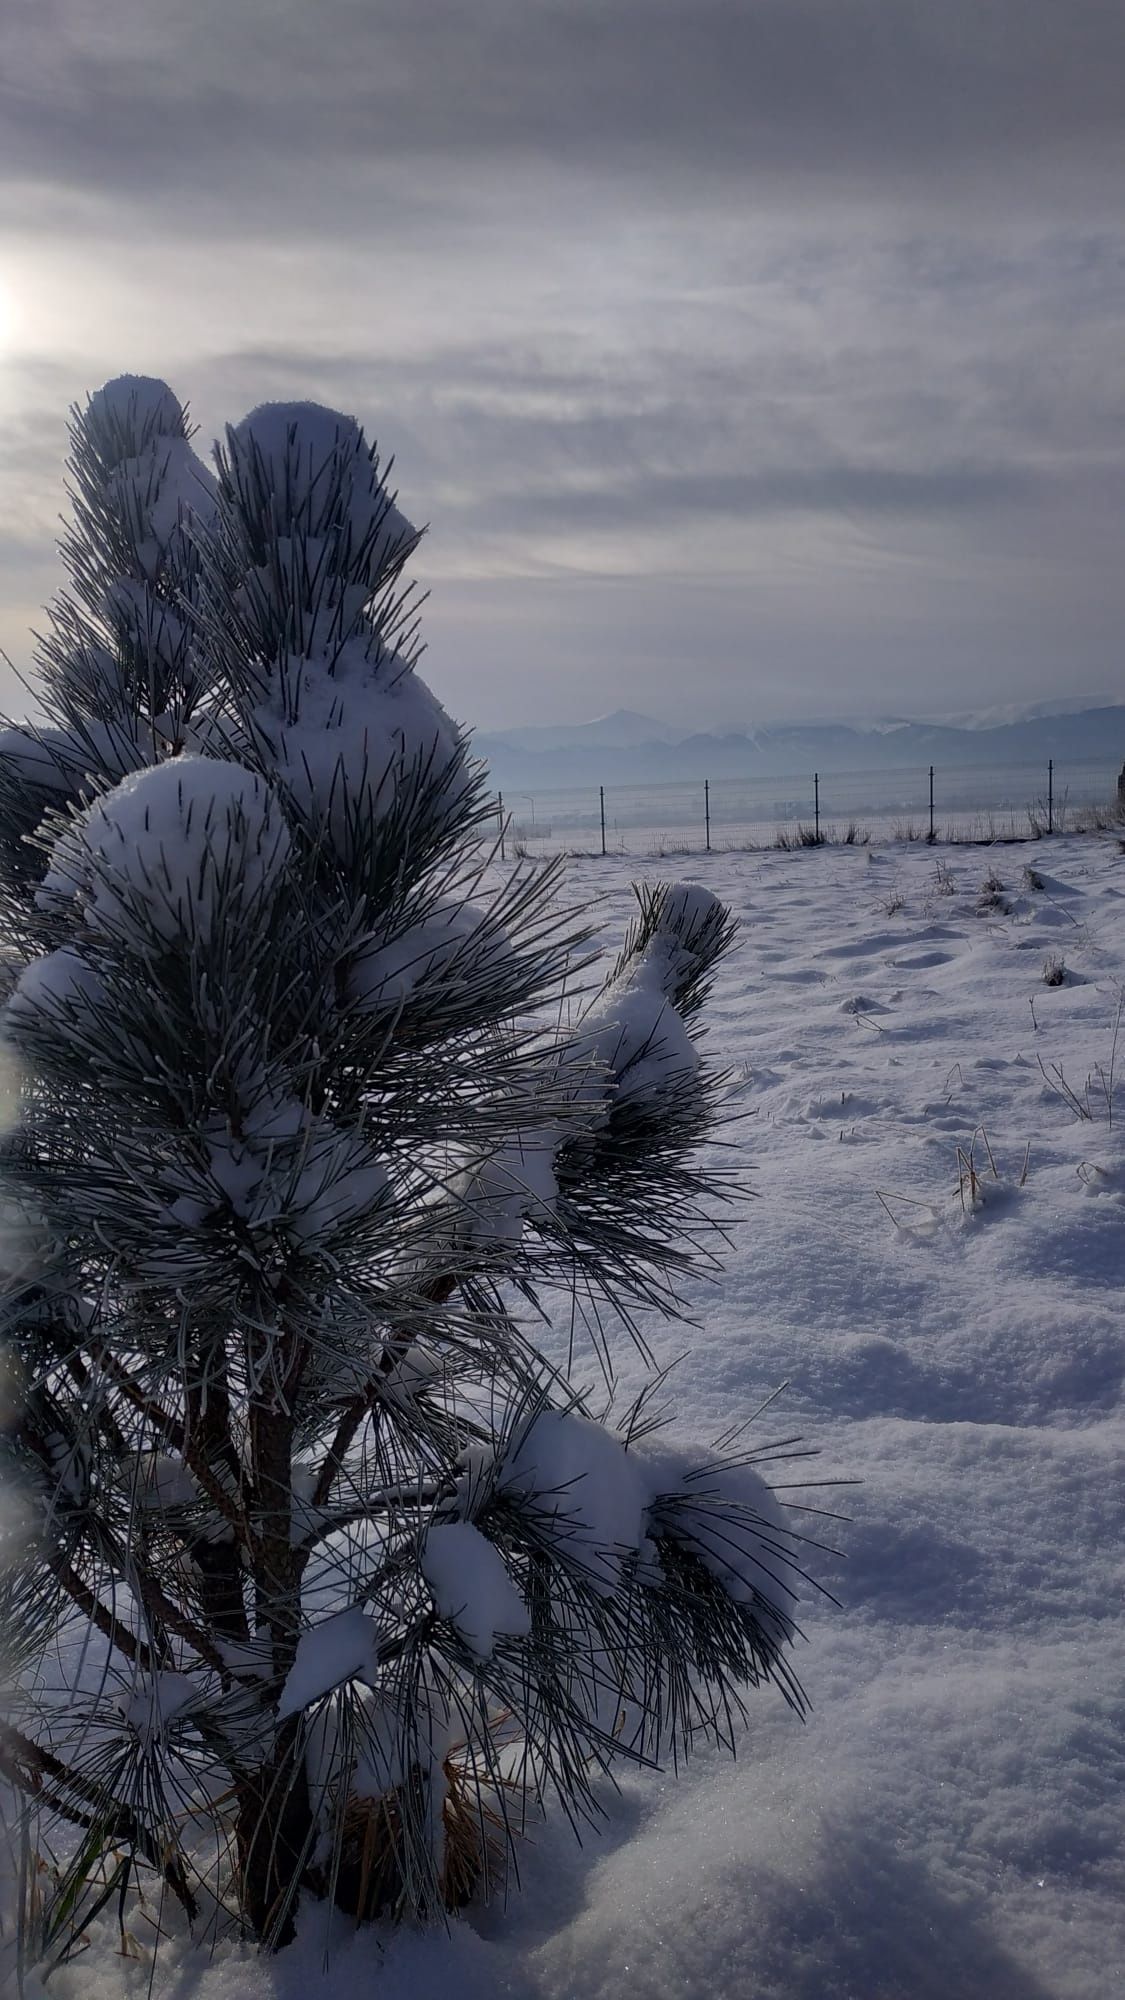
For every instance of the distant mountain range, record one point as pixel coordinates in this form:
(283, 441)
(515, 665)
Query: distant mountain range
(628, 748)
(623, 730)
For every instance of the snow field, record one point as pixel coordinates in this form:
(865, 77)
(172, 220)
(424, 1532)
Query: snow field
(947, 1825)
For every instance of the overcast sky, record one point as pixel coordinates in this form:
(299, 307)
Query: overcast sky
(747, 358)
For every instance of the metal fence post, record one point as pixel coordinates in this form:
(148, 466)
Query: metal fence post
(500, 817)
(1050, 795)
(707, 810)
(931, 801)
(601, 801)
(816, 803)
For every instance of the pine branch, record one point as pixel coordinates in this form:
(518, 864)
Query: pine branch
(437, 1293)
(135, 1650)
(103, 1415)
(169, 1427)
(26, 1764)
(163, 1608)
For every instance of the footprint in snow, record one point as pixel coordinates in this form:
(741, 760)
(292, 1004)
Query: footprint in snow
(942, 1115)
(865, 947)
(844, 1106)
(759, 1077)
(920, 961)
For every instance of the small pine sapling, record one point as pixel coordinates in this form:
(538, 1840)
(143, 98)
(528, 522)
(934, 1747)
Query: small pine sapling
(346, 1578)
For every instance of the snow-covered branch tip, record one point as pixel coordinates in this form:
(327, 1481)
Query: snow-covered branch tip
(676, 941)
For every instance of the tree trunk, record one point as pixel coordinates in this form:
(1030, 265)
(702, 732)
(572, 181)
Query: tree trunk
(275, 1827)
(274, 1837)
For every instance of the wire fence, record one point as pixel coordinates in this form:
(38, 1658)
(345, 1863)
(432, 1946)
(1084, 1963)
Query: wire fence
(989, 804)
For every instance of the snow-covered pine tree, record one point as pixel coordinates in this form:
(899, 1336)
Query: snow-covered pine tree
(342, 1576)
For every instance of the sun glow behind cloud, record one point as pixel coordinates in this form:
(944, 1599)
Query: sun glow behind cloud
(8, 314)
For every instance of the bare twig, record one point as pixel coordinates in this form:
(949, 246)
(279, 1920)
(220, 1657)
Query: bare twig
(1056, 1081)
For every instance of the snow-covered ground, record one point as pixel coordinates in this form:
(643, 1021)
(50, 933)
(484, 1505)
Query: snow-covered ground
(948, 1824)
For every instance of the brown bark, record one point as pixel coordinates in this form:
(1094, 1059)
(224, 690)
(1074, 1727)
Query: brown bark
(209, 1450)
(274, 1837)
(274, 1822)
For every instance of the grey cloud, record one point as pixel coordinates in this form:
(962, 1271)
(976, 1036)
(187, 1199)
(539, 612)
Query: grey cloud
(163, 108)
(836, 490)
(963, 410)
(780, 336)
(505, 442)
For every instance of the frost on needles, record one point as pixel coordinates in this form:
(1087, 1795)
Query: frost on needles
(353, 1581)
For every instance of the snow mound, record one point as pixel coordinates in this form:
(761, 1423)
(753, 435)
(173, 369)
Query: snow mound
(61, 986)
(142, 404)
(472, 1588)
(587, 1491)
(320, 473)
(154, 1701)
(345, 742)
(686, 911)
(732, 1520)
(285, 1169)
(455, 943)
(154, 490)
(515, 1186)
(162, 855)
(338, 1649)
(151, 482)
(633, 1043)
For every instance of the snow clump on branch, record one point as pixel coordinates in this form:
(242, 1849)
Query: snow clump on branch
(329, 697)
(164, 853)
(119, 669)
